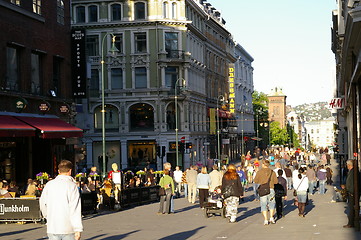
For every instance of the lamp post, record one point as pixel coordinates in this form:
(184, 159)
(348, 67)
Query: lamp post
(218, 132)
(113, 50)
(176, 116)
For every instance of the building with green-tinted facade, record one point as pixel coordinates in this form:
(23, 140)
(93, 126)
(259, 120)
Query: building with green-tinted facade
(167, 49)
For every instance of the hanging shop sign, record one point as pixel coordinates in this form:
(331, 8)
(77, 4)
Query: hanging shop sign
(20, 104)
(231, 88)
(78, 62)
(44, 107)
(337, 103)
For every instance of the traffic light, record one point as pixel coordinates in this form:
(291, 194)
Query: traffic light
(189, 145)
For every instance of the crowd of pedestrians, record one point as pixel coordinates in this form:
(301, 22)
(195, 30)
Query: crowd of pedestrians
(304, 174)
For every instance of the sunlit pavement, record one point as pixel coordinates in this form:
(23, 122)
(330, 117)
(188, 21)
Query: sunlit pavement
(324, 220)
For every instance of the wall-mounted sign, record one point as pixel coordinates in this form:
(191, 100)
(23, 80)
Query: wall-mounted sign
(44, 107)
(337, 103)
(78, 62)
(232, 96)
(64, 108)
(20, 104)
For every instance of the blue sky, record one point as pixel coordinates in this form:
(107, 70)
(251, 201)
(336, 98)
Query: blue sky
(290, 42)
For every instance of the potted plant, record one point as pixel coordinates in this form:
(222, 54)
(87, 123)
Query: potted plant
(43, 177)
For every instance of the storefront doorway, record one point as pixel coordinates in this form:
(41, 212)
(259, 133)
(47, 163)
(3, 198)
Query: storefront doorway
(142, 154)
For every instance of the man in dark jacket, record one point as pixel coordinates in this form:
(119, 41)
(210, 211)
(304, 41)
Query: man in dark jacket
(350, 195)
(280, 192)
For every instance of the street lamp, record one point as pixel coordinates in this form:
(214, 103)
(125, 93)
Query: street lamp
(176, 115)
(218, 132)
(113, 50)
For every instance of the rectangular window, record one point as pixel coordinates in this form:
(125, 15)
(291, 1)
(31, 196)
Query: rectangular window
(171, 76)
(171, 44)
(119, 42)
(140, 77)
(35, 86)
(92, 45)
(139, 10)
(117, 78)
(80, 14)
(94, 83)
(37, 6)
(12, 69)
(60, 11)
(56, 75)
(93, 14)
(140, 42)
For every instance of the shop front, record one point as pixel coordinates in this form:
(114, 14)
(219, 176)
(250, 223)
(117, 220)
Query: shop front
(30, 144)
(142, 154)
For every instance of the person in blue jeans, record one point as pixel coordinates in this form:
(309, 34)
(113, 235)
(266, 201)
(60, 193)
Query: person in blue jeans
(321, 176)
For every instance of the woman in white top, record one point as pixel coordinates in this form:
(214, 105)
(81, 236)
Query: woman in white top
(300, 184)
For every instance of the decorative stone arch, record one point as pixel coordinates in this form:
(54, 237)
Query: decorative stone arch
(111, 117)
(141, 117)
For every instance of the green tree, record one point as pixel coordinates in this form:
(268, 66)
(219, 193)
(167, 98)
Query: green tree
(279, 136)
(260, 109)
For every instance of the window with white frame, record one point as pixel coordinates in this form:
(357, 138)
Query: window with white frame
(92, 45)
(139, 10)
(12, 69)
(165, 9)
(80, 14)
(171, 44)
(117, 78)
(37, 6)
(140, 42)
(119, 42)
(93, 13)
(60, 11)
(140, 77)
(171, 76)
(116, 12)
(174, 10)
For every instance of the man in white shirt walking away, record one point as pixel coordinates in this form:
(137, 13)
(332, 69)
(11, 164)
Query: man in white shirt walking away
(61, 206)
(177, 176)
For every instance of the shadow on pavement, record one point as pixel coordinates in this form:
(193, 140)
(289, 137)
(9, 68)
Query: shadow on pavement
(249, 213)
(17, 232)
(182, 235)
(115, 237)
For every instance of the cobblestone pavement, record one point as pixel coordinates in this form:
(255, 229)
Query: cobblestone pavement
(324, 220)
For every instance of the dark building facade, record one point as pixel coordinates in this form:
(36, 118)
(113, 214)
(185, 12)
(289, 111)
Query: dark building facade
(36, 106)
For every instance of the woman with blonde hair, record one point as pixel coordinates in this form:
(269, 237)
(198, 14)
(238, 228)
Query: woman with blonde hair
(203, 183)
(232, 190)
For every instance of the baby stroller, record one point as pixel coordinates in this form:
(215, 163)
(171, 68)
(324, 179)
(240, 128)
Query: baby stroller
(215, 204)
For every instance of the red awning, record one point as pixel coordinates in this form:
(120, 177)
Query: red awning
(12, 127)
(52, 127)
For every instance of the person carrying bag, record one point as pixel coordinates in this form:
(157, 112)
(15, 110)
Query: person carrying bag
(166, 183)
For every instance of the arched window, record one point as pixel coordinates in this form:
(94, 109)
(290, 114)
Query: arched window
(116, 12)
(174, 10)
(111, 118)
(80, 14)
(139, 10)
(141, 117)
(93, 13)
(165, 10)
